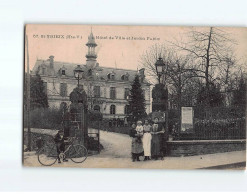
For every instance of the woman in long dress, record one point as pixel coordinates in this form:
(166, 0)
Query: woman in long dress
(136, 145)
(157, 129)
(147, 137)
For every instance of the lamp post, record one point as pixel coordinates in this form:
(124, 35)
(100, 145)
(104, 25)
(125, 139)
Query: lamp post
(160, 67)
(78, 72)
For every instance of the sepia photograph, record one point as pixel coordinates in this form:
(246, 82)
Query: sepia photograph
(135, 97)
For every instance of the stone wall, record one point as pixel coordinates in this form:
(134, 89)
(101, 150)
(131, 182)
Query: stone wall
(197, 147)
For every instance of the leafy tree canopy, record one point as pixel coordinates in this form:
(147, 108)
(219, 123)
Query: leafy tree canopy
(137, 100)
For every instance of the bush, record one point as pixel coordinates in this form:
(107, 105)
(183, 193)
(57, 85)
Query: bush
(44, 118)
(94, 115)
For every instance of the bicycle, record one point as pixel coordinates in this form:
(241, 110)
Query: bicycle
(47, 155)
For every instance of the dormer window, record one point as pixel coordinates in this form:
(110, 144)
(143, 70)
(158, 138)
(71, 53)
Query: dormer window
(62, 71)
(125, 77)
(111, 76)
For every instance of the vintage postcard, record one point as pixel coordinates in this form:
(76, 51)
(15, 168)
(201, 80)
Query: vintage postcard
(150, 97)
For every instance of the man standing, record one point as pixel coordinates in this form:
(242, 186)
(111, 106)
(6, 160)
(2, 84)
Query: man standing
(59, 140)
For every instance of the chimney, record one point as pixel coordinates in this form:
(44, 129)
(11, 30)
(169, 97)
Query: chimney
(142, 74)
(51, 61)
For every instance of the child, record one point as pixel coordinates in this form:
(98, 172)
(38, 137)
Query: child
(139, 131)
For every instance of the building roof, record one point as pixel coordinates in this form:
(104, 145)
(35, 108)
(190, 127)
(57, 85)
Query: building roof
(99, 71)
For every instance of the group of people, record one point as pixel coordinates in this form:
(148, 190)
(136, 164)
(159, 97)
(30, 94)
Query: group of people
(148, 140)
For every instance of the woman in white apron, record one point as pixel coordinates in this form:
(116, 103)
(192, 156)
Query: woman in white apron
(147, 137)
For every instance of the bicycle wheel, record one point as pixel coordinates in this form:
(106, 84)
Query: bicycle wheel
(77, 153)
(47, 155)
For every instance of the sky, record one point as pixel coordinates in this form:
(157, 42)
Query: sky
(67, 42)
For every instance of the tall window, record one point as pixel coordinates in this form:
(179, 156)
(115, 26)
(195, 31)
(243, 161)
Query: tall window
(126, 93)
(113, 93)
(127, 109)
(113, 109)
(63, 72)
(63, 89)
(96, 91)
(45, 87)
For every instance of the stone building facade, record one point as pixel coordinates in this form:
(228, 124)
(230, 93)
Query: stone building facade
(107, 88)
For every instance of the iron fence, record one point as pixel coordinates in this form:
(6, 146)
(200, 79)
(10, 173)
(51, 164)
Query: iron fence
(215, 123)
(224, 129)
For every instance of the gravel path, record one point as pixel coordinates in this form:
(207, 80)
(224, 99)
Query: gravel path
(115, 145)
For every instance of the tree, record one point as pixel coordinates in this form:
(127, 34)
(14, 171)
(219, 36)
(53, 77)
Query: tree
(178, 70)
(239, 95)
(212, 97)
(38, 96)
(211, 51)
(137, 100)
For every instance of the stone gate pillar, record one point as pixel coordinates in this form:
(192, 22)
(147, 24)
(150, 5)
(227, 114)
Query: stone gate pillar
(160, 98)
(78, 109)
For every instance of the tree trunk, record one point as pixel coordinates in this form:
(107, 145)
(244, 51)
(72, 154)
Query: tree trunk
(208, 59)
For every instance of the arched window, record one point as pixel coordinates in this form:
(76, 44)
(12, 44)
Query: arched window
(113, 109)
(96, 108)
(127, 109)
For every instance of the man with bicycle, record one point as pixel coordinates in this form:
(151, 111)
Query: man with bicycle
(60, 144)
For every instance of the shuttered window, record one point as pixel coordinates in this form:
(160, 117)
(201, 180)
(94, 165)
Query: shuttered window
(113, 109)
(126, 93)
(96, 91)
(63, 89)
(113, 93)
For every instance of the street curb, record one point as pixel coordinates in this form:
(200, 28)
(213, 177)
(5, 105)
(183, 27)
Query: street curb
(228, 166)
